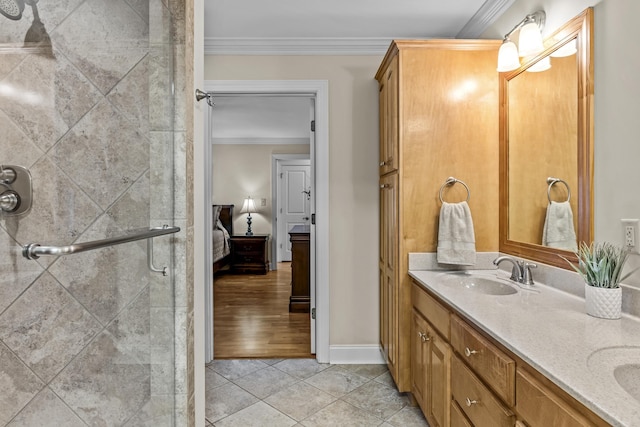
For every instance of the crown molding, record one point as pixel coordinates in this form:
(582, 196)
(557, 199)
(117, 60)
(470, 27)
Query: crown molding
(296, 46)
(259, 141)
(375, 46)
(483, 18)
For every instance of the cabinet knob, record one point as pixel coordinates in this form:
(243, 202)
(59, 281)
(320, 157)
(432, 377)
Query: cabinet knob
(470, 402)
(424, 337)
(384, 185)
(383, 163)
(468, 352)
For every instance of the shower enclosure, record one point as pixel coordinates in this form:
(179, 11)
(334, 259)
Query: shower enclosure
(88, 106)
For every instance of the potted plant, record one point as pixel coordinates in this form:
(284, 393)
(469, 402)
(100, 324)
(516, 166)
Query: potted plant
(600, 265)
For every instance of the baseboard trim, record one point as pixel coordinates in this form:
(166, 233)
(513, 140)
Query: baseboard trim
(356, 354)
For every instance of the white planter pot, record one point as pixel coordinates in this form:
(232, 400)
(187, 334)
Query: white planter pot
(605, 303)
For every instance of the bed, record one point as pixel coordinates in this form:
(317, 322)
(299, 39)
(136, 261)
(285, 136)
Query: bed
(222, 230)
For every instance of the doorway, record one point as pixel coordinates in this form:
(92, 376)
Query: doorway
(319, 156)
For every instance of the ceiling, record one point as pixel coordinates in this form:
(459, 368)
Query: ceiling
(339, 26)
(328, 27)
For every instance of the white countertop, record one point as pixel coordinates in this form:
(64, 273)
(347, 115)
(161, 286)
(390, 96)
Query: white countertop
(550, 330)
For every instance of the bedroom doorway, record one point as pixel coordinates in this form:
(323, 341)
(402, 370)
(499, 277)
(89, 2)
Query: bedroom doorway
(318, 153)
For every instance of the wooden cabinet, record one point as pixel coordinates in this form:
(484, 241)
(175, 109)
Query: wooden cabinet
(540, 407)
(300, 299)
(458, 419)
(490, 363)
(461, 377)
(478, 403)
(389, 152)
(430, 366)
(388, 268)
(432, 126)
(249, 254)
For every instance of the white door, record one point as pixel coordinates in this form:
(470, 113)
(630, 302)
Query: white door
(293, 202)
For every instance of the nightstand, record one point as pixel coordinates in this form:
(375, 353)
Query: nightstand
(249, 254)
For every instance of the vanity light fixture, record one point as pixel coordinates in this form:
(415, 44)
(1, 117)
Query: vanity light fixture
(529, 42)
(248, 206)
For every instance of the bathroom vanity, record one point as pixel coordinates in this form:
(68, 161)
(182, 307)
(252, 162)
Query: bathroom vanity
(489, 352)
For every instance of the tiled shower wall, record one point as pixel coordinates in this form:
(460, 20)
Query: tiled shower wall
(89, 339)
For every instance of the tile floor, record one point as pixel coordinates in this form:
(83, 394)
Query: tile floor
(302, 392)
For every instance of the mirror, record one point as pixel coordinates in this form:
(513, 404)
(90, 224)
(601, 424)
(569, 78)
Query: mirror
(546, 131)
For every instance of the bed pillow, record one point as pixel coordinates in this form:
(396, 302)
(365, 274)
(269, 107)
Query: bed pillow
(216, 215)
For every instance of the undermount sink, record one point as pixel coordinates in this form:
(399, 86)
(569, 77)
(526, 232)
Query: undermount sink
(622, 364)
(481, 284)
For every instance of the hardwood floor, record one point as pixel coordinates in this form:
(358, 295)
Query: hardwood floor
(252, 319)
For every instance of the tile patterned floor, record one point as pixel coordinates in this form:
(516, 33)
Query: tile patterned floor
(302, 392)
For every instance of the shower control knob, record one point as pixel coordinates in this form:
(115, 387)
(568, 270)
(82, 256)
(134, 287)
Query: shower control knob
(9, 201)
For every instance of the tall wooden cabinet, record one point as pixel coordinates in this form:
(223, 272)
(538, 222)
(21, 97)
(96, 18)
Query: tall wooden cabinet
(438, 118)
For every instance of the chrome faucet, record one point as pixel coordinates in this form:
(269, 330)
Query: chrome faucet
(521, 270)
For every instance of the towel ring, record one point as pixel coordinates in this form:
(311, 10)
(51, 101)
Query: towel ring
(450, 181)
(551, 181)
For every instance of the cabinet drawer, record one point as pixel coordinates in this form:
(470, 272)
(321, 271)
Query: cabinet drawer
(248, 247)
(432, 310)
(458, 419)
(251, 253)
(240, 258)
(540, 407)
(477, 401)
(490, 363)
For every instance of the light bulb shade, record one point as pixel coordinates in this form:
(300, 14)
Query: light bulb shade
(508, 59)
(567, 49)
(543, 65)
(530, 41)
(248, 206)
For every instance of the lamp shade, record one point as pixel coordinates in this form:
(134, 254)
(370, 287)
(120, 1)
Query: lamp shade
(508, 59)
(530, 41)
(248, 206)
(543, 65)
(567, 49)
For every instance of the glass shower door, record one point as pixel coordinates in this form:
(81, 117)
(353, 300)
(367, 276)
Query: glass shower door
(87, 106)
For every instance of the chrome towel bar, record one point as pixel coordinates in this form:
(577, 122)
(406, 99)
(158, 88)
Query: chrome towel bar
(35, 250)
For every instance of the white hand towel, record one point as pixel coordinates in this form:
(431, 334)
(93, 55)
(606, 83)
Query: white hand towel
(558, 231)
(456, 238)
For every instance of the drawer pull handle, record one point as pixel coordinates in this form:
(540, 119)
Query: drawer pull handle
(468, 352)
(471, 402)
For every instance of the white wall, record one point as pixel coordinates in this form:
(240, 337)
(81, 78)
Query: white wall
(241, 170)
(617, 109)
(353, 176)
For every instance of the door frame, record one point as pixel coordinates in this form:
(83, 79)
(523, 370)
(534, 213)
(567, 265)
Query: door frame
(320, 89)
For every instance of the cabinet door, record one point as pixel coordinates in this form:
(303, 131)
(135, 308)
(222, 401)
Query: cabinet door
(439, 376)
(388, 270)
(540, 407)
(419, 358)
(388, 102)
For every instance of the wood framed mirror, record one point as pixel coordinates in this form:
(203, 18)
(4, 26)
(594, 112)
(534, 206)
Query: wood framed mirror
(546, 130)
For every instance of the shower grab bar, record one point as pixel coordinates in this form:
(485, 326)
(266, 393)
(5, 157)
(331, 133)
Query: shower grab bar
(35, 250)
